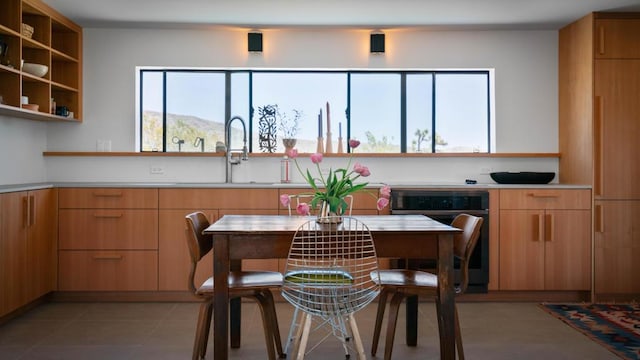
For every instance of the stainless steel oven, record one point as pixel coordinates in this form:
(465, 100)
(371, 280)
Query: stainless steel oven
(444, 206)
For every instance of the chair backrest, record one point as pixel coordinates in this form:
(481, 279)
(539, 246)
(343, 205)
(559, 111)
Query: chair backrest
(198, 243)
(295, 200)
(327, 271)
(464, 243)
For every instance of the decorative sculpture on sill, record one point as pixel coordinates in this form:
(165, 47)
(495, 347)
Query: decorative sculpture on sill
(267, 127)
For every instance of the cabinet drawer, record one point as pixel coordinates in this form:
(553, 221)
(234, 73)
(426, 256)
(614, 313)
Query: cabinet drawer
(545, 199)
(219, 198)
(108, 198)
(105, 229)
(108, 270)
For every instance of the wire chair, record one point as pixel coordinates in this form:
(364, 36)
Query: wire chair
(294, 201)
(327, 276)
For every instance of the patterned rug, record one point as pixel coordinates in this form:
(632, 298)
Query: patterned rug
(616, 327)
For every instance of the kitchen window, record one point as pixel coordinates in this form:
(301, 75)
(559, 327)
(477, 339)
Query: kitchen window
(389, 111)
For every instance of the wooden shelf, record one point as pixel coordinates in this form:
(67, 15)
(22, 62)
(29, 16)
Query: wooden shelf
(57, 43)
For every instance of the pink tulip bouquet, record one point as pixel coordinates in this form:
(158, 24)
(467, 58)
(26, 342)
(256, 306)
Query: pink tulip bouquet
(333, 189)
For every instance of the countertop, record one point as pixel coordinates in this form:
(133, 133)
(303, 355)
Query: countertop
(271, 185)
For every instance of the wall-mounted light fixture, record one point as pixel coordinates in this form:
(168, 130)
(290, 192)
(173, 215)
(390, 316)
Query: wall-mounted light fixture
(254, 42)
(377, 43)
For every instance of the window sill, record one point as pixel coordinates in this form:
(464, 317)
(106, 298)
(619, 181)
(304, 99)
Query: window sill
(277, 155)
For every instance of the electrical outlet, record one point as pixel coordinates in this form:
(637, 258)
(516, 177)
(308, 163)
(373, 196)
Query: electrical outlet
(156, 169)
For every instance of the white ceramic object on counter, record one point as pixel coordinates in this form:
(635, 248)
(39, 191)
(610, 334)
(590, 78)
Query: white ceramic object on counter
(38, 70)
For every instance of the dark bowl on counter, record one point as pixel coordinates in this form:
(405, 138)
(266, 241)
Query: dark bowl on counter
(524, 177)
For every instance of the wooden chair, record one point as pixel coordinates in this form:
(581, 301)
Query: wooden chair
(327, 277)
(403, 283)
(250, 284)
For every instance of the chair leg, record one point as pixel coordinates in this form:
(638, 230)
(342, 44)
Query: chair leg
(382, 303)
(275, 328)
(356, 337)
(305, 337)
(458, 335)
(202, 330)
(394, 308)
(266, 323)
(292, 329)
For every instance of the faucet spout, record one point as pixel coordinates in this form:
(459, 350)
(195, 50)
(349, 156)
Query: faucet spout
(245, 152)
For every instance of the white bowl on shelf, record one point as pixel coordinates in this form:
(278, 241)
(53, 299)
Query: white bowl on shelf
(38, 70)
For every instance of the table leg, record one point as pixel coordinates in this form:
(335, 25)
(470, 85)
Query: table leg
(446, 297)
(412, 321)
(221, 297)
(235, 312)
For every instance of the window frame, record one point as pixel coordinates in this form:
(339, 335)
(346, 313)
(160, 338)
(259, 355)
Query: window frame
(488, 72)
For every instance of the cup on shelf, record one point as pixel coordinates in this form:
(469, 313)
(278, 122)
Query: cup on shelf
(24, 100)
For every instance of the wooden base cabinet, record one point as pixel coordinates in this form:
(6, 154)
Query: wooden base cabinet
(617, 249)
(545, 241)
(28, 234)
(108, 239)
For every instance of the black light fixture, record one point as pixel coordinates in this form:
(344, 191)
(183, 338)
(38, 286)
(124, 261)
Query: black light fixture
(254, 41)
(377, 43)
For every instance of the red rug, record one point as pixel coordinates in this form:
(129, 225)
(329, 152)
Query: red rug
(616, 327)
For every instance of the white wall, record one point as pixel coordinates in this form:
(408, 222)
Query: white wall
(525, 65)
(21, 145)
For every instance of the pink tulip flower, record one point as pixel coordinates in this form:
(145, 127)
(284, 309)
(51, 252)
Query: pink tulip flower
(382, 203)
(303, 209)
(284, 200)
(385, 191)
(353, 143)
(292, 153)
(316, 158)
(361, 169)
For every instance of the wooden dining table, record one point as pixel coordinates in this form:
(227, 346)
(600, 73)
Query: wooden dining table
(237, 237)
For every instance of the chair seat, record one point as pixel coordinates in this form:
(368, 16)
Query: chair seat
(408, 278)
(245, 280)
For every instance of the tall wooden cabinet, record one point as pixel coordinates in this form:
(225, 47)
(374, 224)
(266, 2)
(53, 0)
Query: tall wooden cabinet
(55, 42)
(599, 89)
(28, 234)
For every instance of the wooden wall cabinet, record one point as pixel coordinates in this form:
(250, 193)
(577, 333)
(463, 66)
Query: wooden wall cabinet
(28, 234)
(57, 43)
(108, 239)
(545, 239)
(599, 83)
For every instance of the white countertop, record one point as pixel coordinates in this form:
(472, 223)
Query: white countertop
(257, 185)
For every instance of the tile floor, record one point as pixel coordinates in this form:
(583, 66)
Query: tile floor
(165, 331)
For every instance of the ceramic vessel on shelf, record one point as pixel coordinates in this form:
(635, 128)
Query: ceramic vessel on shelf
(289, 143)
(38, 70)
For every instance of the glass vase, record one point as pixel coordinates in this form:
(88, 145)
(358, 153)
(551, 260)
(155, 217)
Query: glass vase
(326, 217)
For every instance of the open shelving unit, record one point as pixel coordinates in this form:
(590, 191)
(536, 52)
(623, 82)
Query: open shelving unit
(57, 43)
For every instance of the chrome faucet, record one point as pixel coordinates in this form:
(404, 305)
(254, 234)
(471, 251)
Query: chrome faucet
(245, 151)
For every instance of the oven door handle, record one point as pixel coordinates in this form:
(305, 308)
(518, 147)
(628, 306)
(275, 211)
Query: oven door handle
(440, 212)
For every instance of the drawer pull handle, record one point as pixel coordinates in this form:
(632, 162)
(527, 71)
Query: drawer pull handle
(108, 216)
(108, 194)
(543, 195)
(107, 257)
